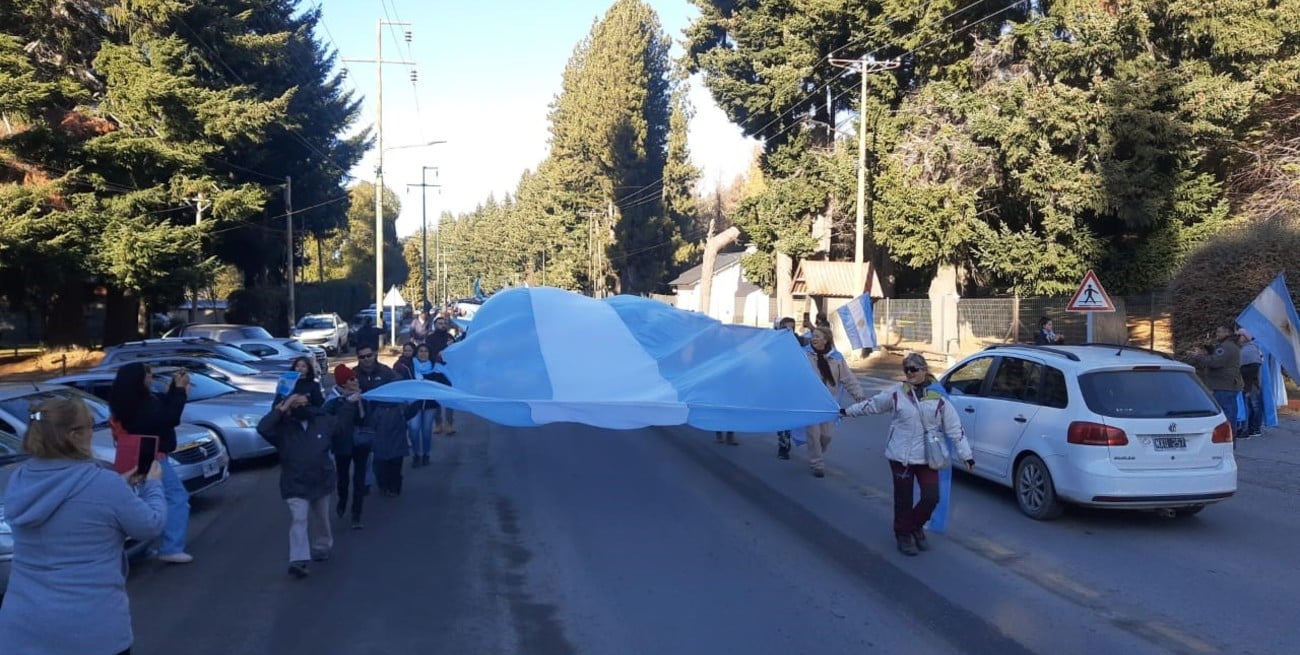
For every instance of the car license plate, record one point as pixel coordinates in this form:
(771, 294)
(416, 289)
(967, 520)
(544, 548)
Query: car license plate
(211, 468)
(1170, 443)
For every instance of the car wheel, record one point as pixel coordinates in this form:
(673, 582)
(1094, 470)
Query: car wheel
(1035, 491)
(1183, 512)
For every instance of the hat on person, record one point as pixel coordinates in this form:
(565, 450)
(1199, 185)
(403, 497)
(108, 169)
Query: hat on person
(343, 374)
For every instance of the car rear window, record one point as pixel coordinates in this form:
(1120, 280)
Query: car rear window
(1165, 393)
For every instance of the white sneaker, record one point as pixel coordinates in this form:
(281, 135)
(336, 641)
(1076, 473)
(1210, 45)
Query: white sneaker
(176, 558)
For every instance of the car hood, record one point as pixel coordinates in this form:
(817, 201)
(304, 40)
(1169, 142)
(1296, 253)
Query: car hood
(314, 332)
(186, 433)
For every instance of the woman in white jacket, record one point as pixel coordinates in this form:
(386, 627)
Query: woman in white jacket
(917, 409)
(835, 374)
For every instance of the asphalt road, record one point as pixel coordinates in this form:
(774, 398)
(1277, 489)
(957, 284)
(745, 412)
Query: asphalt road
(567, 539)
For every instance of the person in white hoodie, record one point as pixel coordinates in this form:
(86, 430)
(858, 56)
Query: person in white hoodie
(70, 518)
(835, 373)
(918, 407)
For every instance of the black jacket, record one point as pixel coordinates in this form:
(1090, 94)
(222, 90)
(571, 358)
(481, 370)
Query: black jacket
(158, 416)
(384, 422)
(306, 464)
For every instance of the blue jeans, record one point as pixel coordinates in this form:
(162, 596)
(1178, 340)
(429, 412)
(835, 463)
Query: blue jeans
(1254, 411)
(178, 511)
(420, 431)
(1228, 403)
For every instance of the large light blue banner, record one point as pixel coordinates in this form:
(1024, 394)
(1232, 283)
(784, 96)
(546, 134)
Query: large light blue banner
(543, 355)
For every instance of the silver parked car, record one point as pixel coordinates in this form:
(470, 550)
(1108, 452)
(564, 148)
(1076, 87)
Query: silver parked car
(284, 351)
(223, 332)
(200, 460)
(133, 351)
(240, 376)
(11, 454)
(328, 331)
(228, 412)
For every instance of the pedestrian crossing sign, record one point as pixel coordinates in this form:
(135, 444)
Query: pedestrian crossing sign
(1090, 297)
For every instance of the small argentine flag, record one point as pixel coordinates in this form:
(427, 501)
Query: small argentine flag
(858, 322)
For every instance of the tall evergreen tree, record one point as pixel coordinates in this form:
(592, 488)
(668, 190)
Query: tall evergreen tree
(680, 178)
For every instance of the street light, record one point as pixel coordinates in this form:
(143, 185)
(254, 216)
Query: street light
(379, 231)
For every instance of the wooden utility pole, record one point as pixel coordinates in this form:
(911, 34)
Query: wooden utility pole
(288, 236)
(711, 247)
(865, 66)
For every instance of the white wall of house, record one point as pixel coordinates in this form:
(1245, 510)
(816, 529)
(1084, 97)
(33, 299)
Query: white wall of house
(757, 305)
(722, 300)
(688, 298)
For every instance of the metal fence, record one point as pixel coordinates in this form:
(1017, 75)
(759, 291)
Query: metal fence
(909, 323)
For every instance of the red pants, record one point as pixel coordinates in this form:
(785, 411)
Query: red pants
(910, 518)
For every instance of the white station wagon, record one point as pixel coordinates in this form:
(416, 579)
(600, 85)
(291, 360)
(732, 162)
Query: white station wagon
(1098, 425)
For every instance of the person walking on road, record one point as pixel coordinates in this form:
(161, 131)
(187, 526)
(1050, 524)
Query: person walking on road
(919, 409)
(351, 448)
(1252, 359)
(439, 339)
(783, 436)
(402, 367)
(421, 327)
(834, 372)
(307, 384)
(1222, 369)
(70, 518)
(386, 423)
(305, 437)
(137, 410)
(423, 368)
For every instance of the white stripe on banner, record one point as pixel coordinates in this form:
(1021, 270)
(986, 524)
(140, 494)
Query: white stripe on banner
(1270, 320)
(624, 371)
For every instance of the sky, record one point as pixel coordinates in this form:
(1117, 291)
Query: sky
(487, 73)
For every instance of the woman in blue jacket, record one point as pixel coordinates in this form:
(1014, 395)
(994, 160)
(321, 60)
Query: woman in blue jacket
(71, 518)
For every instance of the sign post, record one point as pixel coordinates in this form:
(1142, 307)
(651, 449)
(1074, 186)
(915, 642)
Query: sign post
(392, 301)
(1089, 299)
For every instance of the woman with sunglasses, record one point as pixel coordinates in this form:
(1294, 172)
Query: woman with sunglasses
(70, 517)
(919, 409)
(834, 372)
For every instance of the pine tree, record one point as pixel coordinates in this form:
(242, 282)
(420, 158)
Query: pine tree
(680, 178)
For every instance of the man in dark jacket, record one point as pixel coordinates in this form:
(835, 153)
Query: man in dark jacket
(304, 437)
(384, 423)
(1222, 372)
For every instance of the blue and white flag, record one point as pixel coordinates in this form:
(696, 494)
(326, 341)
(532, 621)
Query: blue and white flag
(858, 322)
(1272, 320)
(546, 355)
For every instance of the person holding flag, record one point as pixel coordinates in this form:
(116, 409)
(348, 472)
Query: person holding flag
(919, 408)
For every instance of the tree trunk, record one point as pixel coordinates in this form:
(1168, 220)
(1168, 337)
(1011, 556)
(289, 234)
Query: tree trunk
(65, 316)
(784, 285)
(711, 248)
(121, 316)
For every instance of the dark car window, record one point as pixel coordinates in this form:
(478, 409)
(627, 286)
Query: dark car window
(1016, 379)
(258, 349)
(967, 379)
(255, 332)
(22, 406)
(1053, 393)
(296, 346)
(1147, 394)
(4, 425)
(10, 444)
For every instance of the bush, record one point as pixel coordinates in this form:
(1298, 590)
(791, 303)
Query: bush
(1222, 277)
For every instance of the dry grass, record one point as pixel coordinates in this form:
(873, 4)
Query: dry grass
(51, 362)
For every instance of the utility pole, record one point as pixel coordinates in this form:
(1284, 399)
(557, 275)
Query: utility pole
(865, 67)
(200, 203)
(379, 62)
(424, 236)
(288, 236)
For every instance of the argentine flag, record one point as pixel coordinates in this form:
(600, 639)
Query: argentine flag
(545, 355)
(857, 320)
(1272, 320)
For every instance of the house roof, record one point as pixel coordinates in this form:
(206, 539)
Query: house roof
(840, 279)
(691, 276)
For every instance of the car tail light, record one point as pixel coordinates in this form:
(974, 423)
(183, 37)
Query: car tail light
(1222, 434)
(1084, 433)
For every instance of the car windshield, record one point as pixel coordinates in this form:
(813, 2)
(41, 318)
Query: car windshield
(315, 323)
(10, 445)
(255, 332)
(21, 407)
(234, 354)
(202, 387)
(296, 346)
(227, 366)
(1165, 393)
